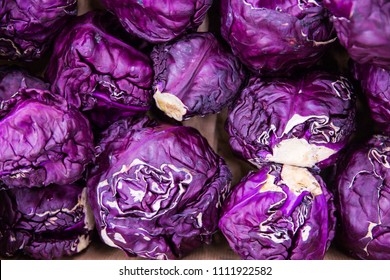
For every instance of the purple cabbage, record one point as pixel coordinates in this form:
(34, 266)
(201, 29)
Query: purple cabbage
(195, 75)
(12, 78)
(157, 190)
(276, 36)
(363, 200)
(45, 223)
(375, 82)
(95, 70)
(279, 212)
(363, 28)
(303, 121)
(28, 27)
(43, 141)
(159, 21)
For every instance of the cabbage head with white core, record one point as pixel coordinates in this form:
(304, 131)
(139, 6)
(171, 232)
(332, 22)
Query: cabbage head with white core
(195, 75)
(279, 212)
(303, 121)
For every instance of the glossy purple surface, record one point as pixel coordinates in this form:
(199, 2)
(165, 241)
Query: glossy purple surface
(268, 217)
(44, 223)
(316, 109)
(159, 21)
(199, 71)
(363, 28)
(375, 82)
(12, 80)
(157, 190)
(363, 200)
(43, 141)
(28, 27)
(94, 69)
(276, 36)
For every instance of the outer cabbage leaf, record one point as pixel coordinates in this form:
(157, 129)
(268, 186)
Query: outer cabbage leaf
(27, 27)
(363, 28)
(276, 36)
(42, 141)
(279, 212)
(363, 200)
(159, 21)
(12, 78)
(375, 82)
(195, 75)
(45, 223)
(95, 70)
(302, 122)
(156, 191)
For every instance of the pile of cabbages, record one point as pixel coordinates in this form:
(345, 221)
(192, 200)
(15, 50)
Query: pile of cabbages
(96, 145)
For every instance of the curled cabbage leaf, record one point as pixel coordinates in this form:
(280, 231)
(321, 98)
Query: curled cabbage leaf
(276, 36)
(45, 223)
(157, 190)
(363, 200)
(159, 21)
(43, 141)
(375, 82)
(363, 28)
(304, 121)
(279, 212)
(195, 75)
(95, 70)
(28, 27)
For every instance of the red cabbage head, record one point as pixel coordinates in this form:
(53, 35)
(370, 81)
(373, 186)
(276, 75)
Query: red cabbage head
(276, 36)
(195, 75)
(43, 141)
(363, 28)
(363, 200)
(303, 121)
(279, 212)
(94, 69)
(159, 21)
(28, 27)
(157, 190)
(45, 223)
(375, 82)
